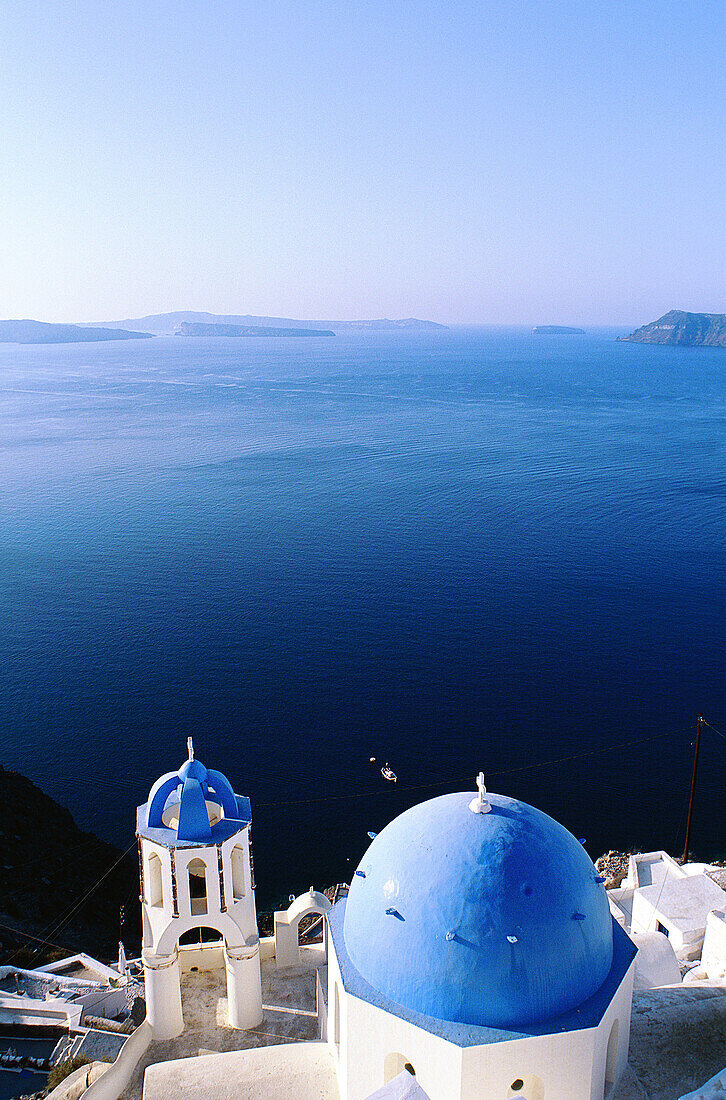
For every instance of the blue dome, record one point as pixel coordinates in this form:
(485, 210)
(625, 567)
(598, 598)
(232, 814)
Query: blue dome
(497, 919)
(189, 790)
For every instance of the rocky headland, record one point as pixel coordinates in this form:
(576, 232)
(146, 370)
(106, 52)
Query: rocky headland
(682, 329)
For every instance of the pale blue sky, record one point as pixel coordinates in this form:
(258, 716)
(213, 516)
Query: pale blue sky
(503, 161)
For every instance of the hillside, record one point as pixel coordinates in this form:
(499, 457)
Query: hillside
(41, 332)
(191, 328)
(684, 330)
(53, 893)
(165, 324)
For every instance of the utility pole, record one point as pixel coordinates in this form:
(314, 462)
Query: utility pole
(693, 787)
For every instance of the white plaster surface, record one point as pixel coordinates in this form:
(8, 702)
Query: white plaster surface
(713, 957)
(287, 922)
(656, 963)
(403, 1087)
(76, 1084)
(685, 902)
(293, 1071)
(169, 910)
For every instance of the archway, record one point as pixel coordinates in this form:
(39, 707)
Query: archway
(155, 886)
(237, 860)
(197, 872)
(287, 922)
(394, 1064)
(611, 1060)
(203, 979)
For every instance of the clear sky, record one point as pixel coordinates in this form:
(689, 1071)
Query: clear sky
(496, 161)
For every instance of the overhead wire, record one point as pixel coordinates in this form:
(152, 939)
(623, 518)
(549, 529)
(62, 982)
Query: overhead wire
(713, 728)
(467, 779)
(57, 924)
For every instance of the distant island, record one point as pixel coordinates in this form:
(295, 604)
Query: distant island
(41, 332)
(166, 324)
(557, 330)
(194, 328)
(682, 329)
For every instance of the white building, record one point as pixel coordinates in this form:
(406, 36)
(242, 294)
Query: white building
(476, 950)
(196, 872)
(661, 895)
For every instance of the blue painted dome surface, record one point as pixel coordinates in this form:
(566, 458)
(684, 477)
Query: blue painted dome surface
(495, 919)
(190, 788)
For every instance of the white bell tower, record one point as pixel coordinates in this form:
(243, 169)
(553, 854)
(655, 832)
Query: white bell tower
(196, 871)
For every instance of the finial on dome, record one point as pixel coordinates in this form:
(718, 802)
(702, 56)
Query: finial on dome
(480, 805)
(190, 748)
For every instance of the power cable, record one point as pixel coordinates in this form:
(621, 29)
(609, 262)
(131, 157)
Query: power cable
(54, 928)
(467, 779)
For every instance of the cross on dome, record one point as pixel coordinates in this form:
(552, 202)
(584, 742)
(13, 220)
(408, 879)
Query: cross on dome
(480, 805)
(190, 748)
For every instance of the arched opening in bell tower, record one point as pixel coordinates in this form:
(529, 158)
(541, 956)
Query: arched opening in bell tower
(238, 871)
(197, 871)
(154, 882)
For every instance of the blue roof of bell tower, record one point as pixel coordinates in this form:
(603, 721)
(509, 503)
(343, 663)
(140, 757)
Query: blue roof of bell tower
(182, 806)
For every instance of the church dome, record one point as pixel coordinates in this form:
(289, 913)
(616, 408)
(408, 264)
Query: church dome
(190, 802)
(496, 918)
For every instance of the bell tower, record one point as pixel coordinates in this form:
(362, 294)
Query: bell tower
(195, 867)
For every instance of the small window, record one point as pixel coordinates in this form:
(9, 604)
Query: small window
(661, 928)
(611, 1060)
(528, 1087)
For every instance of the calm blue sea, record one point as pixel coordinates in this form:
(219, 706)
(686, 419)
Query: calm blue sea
(474, 549)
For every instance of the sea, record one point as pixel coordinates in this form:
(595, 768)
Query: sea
(463, 550)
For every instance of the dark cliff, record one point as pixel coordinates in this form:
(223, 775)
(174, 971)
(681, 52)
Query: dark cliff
(61, 889)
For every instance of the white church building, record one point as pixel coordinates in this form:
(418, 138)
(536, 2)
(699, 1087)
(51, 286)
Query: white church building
(476, 950)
